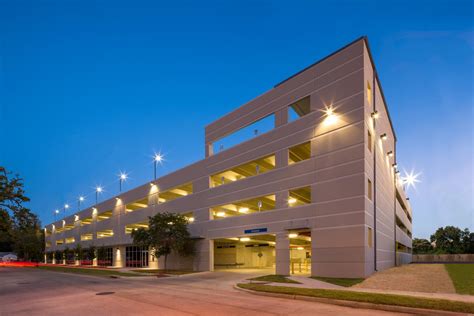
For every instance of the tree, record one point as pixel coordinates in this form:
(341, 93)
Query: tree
(6, 236)
(448, 240)
(422, 246)
(12, 195)
(467, 239)
(78, 252)
(28, 235)
(166, 233)
(58, 256)
(90, 253)
(20, 229)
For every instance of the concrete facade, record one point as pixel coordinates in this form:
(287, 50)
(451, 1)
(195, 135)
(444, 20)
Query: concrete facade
(358, 218)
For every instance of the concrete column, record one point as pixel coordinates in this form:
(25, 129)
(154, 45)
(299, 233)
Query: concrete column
(282, 249)
(314, 253)
(94, 262)
(281, 199)
(204, 259)
(152, 260)
(54, 261)
(119, 256)
(281, 158)
(281, 117)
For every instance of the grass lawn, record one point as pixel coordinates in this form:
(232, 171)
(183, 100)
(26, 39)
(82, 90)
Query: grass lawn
(89, 271)
(159, 271)
(340, 281)
(374, 298)
(462, 276)
(274, 278)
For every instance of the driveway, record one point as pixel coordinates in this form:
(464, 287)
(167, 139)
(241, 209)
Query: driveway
(25, 291)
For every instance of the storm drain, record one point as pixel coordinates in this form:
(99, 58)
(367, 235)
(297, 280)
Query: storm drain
(104, 293)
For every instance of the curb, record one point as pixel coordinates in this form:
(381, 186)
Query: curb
(388, 308)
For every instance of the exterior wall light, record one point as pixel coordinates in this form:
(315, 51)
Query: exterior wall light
(394, 166)
(383, 136)
(375, 115)
(220, 214)
(390, 153)
(292, 235)
(244, 239)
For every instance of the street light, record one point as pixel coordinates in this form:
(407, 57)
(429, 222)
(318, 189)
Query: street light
(66, 206)
(158, 158)
(98, 190)
(79, 201)
(56, 212)
(122, 177)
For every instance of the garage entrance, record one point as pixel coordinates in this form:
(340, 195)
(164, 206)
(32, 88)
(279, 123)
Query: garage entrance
(300, 252)
(249, 252)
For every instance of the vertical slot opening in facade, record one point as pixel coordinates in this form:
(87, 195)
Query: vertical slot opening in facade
(369, 189)
(369, 93)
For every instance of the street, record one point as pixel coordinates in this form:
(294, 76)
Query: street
(28, 291)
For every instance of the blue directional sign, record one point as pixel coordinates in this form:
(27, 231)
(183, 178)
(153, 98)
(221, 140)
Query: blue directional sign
(255, 230)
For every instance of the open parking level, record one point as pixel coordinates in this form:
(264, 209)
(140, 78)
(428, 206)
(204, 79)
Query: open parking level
(30, 291)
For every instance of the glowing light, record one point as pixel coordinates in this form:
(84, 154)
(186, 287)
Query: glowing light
(99, 189)
(191, 219)
(390, 154)
(299, 248)
(220, 214)
(292, 201)
(81, 198)
(66, 206)
(331, 117)
(244, 239)
(76, 218)
(411, 179)
(383, 136)
(158, 157)
(375, 115)
(56, 211)
(394, 166)
(123, 176)
(293, 235)
(243, 210)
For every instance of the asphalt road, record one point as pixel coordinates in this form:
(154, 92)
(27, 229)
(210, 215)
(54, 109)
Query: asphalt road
(29, 291)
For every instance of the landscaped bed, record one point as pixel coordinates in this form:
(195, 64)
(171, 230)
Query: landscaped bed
(276, 278)
(374, 298)
(462, 275)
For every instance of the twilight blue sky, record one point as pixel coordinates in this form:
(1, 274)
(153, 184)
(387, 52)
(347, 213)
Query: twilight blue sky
(88, 88)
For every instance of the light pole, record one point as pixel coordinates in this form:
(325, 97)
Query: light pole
(157, 159)
(123, 176)
(79, 201)
(66, 206)
(98, 190)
